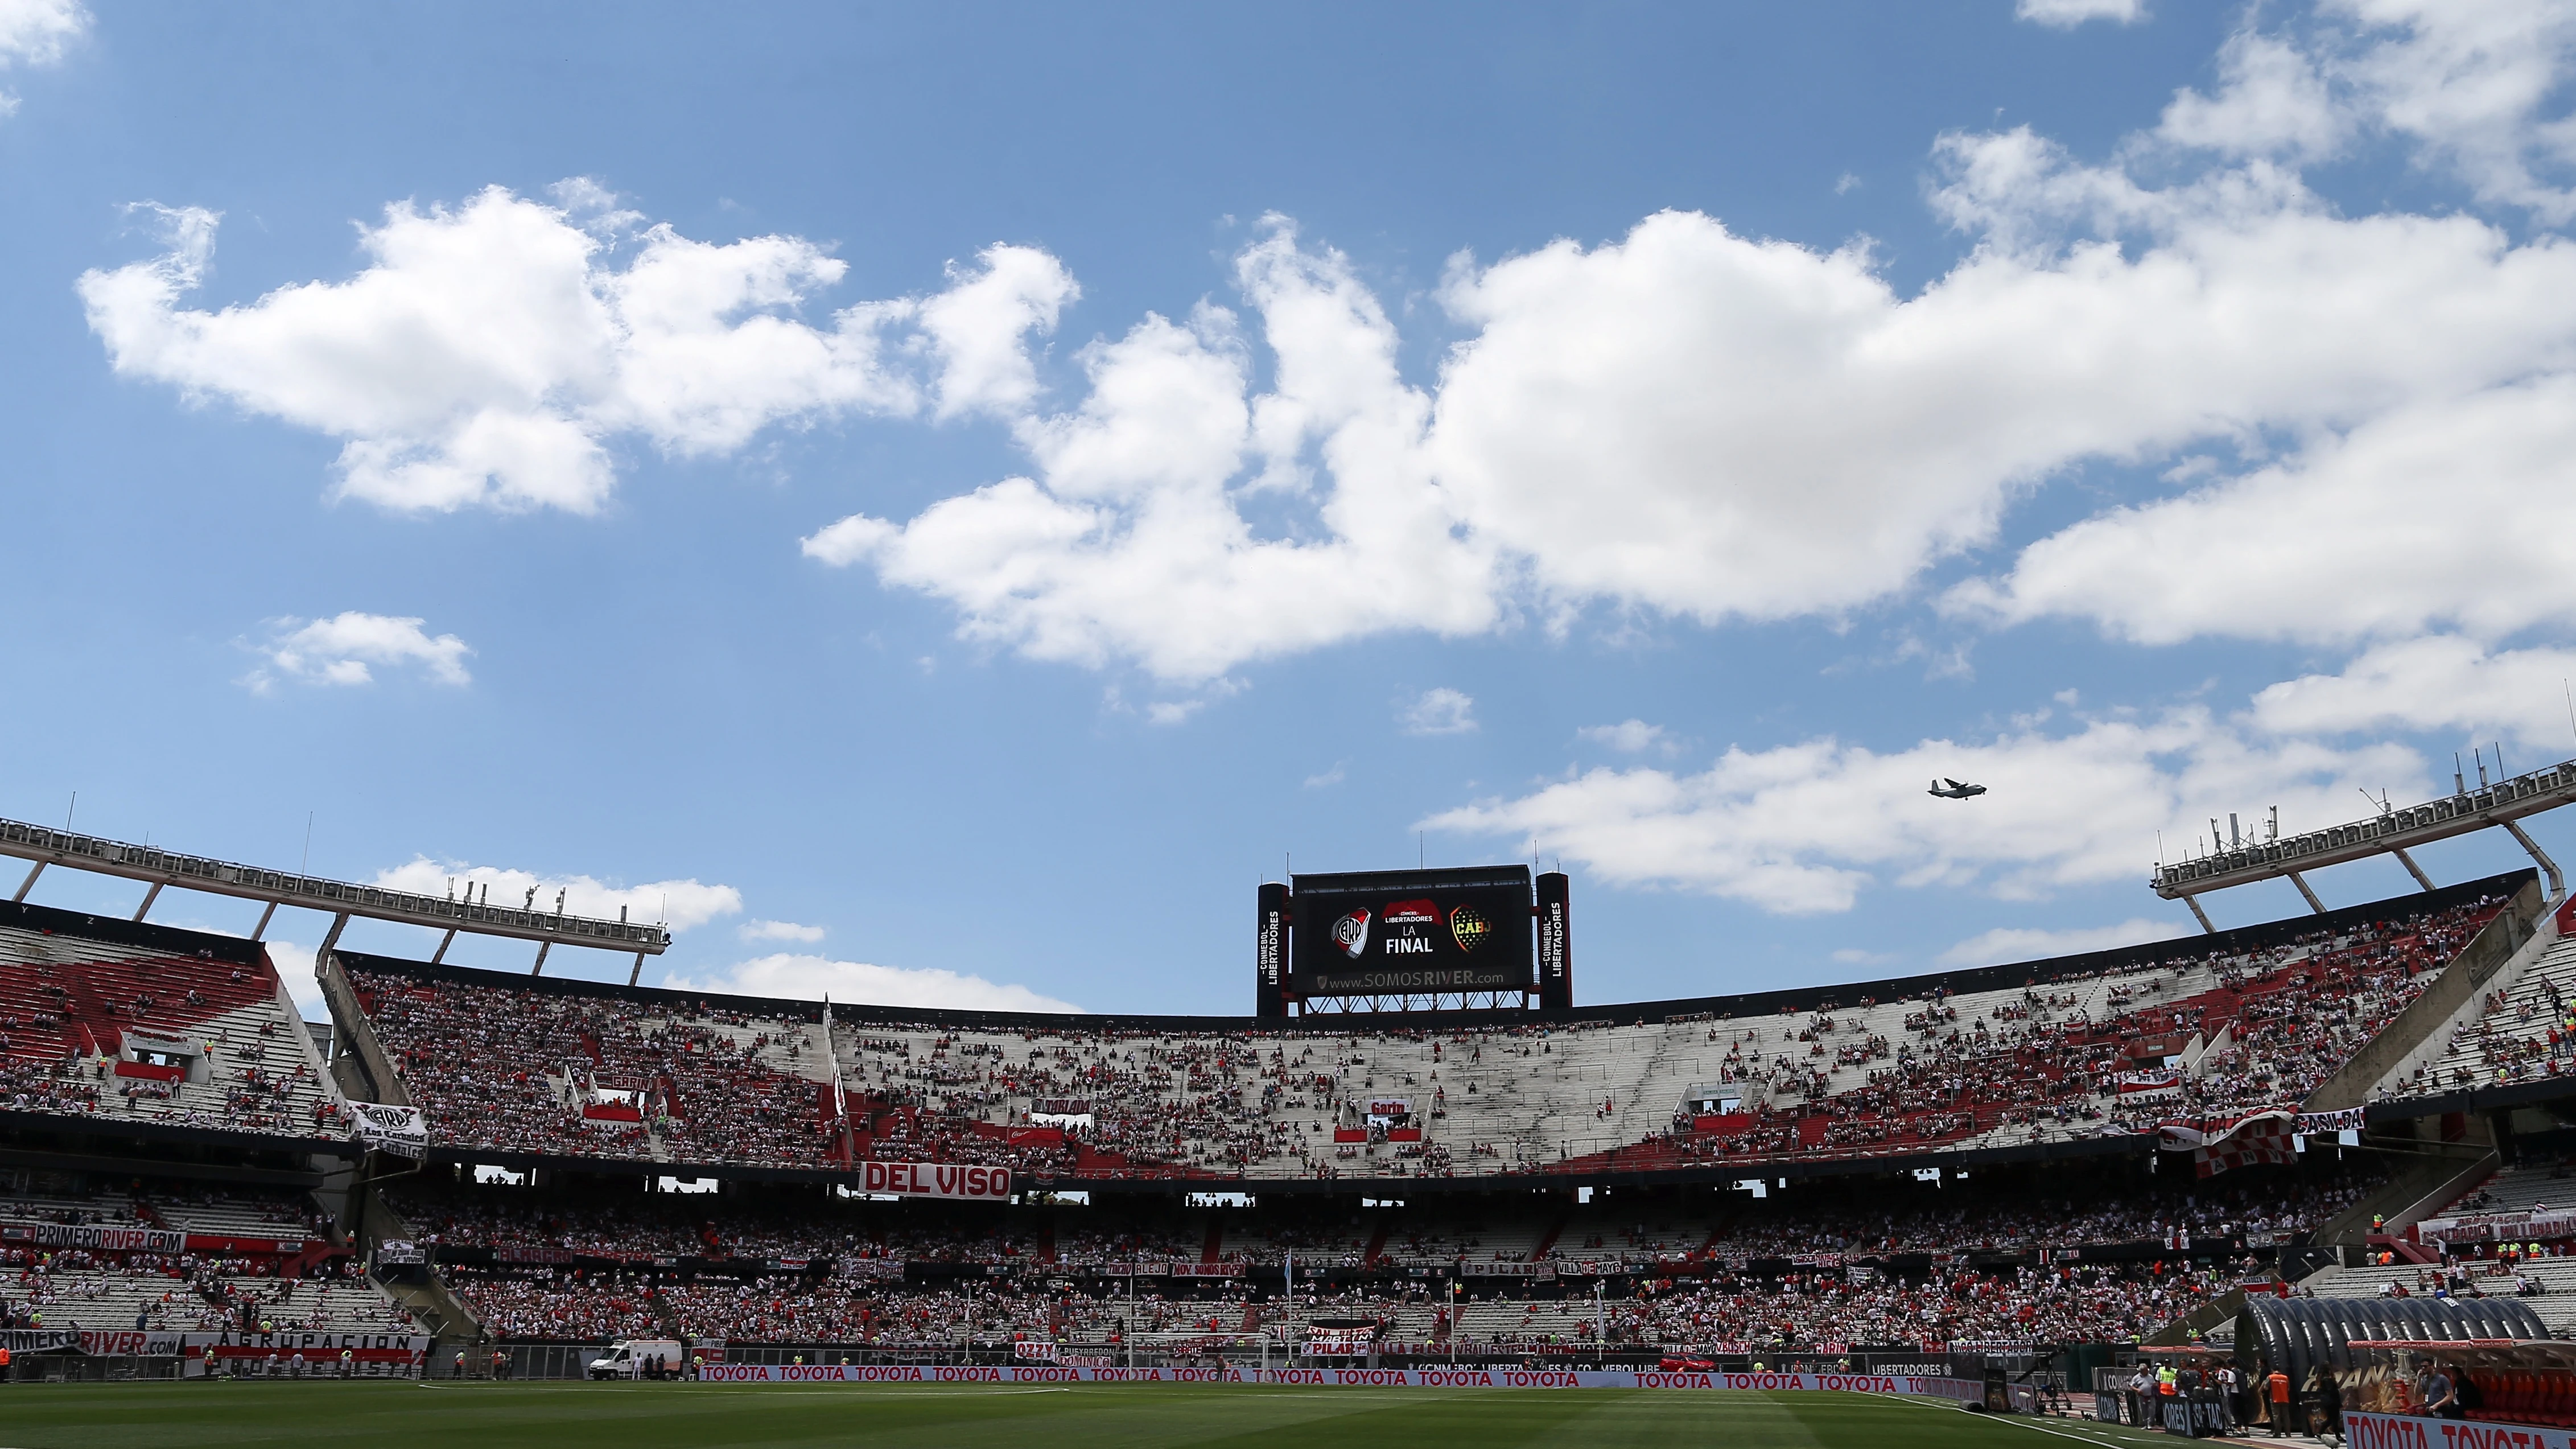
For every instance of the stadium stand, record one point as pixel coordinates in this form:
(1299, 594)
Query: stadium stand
(140, 1023)
(2525, 1033)
(222, 1261)
(576, 1070)
(2041, 1252)
(1963, 1163)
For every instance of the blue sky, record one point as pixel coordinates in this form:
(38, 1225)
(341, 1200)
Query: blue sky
(939, 502)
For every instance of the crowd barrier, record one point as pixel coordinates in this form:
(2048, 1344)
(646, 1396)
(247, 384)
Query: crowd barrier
(1963, 1390)
(2420, 1431)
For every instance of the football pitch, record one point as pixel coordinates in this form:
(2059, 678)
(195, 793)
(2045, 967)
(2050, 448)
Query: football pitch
(1083, 1416)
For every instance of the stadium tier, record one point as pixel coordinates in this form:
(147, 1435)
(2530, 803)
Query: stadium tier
(2043, 1251)
(175, 1257)
(2060, 1055)
(1978, 1161)
(143, 1024)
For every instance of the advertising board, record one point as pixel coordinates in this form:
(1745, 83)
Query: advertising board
(1958, 1390)
(935, 1179)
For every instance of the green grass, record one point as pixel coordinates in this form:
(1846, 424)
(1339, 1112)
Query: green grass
(1086, 1416)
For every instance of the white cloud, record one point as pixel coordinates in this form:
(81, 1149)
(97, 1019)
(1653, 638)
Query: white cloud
(1681, 421)
(1442, 711)
(1130, 544)
(2480, 86)
(778, 931)
(1628, 736)
(1698, 423)
(2272, 101)
(2453, 513)
(2067, 14)
(2443, 683)
(490, 354)
(293, 961)
(980, 324)
(35, 33)
(1326, 778)
(2009, 943)
(811, 978)
(679, 904)
(1805, 827)
(2475, 88)
(345, 648)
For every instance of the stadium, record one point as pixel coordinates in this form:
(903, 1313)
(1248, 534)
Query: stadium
(1442, 725)
(2316, 1145)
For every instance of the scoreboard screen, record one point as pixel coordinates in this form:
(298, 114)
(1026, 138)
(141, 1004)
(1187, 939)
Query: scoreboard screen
(1394, 933)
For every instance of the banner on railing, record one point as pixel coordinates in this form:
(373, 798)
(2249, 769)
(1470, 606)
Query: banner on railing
(2150, 1083)
(2410, 1431)
(1544, 1272)
(2528, 1224)
(935, 1179)
(402, 1131)
(101, 1342)
(308, 1344)
(100, 1236)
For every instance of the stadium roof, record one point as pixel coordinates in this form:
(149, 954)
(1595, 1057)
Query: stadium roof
(340, 899)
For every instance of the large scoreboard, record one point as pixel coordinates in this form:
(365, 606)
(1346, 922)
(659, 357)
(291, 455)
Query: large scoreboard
(1402, 937)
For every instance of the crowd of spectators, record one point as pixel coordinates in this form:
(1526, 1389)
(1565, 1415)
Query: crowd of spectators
(2221, 1034)
(192, 1290)
(561, 1306)
(67, 1007)
(2092, 1251)
(602, 1076)
(2229, 1034)
(2058, 1304)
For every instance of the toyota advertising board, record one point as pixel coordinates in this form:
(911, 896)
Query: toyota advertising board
(1393, 933)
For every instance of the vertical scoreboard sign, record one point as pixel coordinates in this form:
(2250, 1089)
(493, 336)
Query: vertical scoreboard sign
(1270, 953)
(1411, 933)
(1555, 943)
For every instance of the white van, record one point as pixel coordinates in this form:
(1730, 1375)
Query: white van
(641, 1358)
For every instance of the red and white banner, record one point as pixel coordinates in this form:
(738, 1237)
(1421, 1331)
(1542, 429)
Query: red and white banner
(1964, 1390)
(2415, 1431)
(935, 1179)
(2216, 1148)
(2150, 1084)
(2269, 1143)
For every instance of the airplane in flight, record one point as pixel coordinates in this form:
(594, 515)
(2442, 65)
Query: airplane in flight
(1956, 790)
